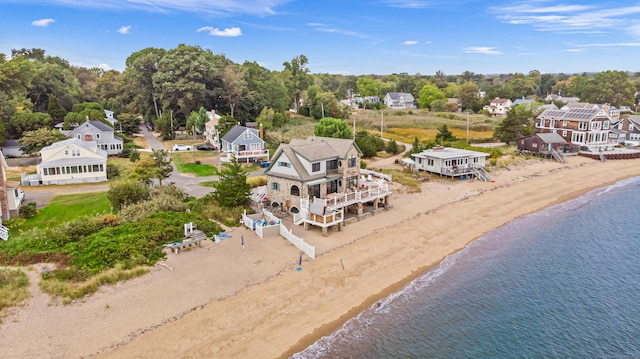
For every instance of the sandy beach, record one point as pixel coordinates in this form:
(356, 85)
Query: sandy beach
(225, 301)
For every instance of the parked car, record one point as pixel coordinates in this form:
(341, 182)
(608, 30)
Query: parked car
(181, 147)
(205, 147)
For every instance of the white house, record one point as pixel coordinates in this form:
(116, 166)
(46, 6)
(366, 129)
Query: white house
(11, 195)
(499, 106)
(72, 161)
(452, 162)
(99, 132)
(399, 100)
(110, 117)
(211, 128)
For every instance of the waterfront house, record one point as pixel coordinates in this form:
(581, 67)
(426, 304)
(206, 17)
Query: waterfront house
(547, 145)
(246, 144)
(452, 162)
(587, 126)
(317, 179)
(71, 161)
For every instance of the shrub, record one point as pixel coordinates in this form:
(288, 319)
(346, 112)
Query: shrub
(28, 210)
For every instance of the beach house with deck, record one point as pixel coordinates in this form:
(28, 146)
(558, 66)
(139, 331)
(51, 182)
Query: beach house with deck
(319, 179)
(453, 162)
(587, 127)
(246, 144)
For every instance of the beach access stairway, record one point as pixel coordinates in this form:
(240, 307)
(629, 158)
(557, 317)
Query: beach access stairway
(482, 174)
(558, 156)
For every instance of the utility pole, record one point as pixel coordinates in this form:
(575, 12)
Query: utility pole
(194, 144)
(467, 126)
(354, 128)
(171, 124)
(381, 123)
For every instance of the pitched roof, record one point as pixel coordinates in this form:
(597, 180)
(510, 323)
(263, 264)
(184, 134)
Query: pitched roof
(71, 141)
(584, 114)
(551, 137)
(313, 149)
(448, 153)
(398, 95)
(236, 131)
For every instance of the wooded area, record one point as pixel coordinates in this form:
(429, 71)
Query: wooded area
(38, 90)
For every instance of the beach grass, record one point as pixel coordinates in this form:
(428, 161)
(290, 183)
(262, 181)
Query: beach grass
(74, 290)
(67, 207)
(14, 288)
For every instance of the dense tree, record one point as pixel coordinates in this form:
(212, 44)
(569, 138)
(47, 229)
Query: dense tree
(234, 84)
(468, 94)
(517, 124)
(141, 66)
(612, 87)
(128, 123)
(367, 87)
(55, 110)
(182, 76)
(368, 144)
(34, 141)
(197, 120)
(80, 112)
(28, 121)
(225, 124)
(232, 189)
(332, 127)
(297, 78)
(428, 94)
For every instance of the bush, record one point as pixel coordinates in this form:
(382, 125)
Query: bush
(28, 210)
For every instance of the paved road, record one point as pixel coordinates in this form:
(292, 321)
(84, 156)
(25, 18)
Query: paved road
(189, 184)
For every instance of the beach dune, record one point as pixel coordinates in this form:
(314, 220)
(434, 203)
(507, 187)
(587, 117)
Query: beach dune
(223, 301)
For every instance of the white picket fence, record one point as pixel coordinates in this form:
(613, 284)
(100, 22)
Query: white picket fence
(285, 232)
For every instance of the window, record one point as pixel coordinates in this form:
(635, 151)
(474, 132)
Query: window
(75, 153)
(275, 186)
(605, 125)
(315, 167)
(295, 190)
(78, 136)
(582, 126)
(97, 136)
(247, 135)
(564, 123)
(284, 164)
(564, 133)
(66, 152)
(352, 182)
(352, 162)
(430, 161)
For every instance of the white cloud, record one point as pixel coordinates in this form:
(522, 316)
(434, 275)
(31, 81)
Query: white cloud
(104, 67)
(42, 22)
(613, 44)
(428, 42)
(408, 4)
(585, 19)
(124, 29)
(228, 32)
(410, 42)
(482, 50)
(211, 7)
(327, 28)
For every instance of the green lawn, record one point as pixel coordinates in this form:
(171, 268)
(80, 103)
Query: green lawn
(67, 207)
(184, 163)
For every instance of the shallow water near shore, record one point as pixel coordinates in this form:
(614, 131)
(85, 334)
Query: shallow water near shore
(563, 282)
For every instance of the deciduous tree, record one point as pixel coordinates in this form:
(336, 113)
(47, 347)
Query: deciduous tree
(332, 127)
(34, 141)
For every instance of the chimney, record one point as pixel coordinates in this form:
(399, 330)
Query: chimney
(87, 118)
(261, 131)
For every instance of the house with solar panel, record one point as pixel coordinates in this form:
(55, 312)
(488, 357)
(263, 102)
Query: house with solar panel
(586, 127)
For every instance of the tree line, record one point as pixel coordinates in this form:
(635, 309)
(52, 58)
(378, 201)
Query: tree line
(173, 87)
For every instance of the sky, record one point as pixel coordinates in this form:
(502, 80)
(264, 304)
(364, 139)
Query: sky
(350, 37)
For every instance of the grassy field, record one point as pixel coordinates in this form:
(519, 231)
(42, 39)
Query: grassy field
(404, 126)
(65, 208)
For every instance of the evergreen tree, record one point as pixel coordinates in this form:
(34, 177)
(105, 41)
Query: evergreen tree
(444, 135)
(232, 190)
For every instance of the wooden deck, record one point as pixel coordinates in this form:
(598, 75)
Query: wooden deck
(194, 239)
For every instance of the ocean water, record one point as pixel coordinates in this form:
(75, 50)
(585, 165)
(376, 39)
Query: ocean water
(560, 283)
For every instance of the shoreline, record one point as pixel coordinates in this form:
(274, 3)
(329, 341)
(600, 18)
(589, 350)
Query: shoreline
(253, 303)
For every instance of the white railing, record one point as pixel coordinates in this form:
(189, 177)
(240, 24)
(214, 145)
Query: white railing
(4, 232)
(298, 242)
(376, 174)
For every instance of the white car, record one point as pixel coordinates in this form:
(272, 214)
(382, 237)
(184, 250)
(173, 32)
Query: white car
(181, 147)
